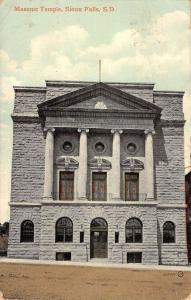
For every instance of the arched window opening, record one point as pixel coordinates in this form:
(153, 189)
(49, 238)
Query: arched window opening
(98, 224)
(27, 231)
(64, 230)
(134, 230)
(168, 232)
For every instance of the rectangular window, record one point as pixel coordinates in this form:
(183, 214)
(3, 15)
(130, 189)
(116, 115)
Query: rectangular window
(99, 186)
(116, 237)
(131, 186)
(63, 255)
(66, 186)
(81, 237)
(134, 257)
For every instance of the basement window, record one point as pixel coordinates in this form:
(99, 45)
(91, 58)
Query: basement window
(134, 257)
(66, 256)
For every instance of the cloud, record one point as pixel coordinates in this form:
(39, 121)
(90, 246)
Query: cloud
(172, 30)
(6, 64)
(53, 54)
(159, 53)
(6, 87)
(131, 54)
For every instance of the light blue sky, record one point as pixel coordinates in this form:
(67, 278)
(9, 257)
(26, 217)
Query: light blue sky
(142, 40)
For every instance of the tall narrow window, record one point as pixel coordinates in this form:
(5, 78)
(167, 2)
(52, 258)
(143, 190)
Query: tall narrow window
(81, 236)
(99, 186)
(134, 231)
(168, 232)
(64, 230)
(66, 186)
(27, 231)
(117, 237)
(131, 186)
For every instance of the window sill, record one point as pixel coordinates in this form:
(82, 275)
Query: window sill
(63, 242)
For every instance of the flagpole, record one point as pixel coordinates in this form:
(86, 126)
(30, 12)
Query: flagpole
(100, 70)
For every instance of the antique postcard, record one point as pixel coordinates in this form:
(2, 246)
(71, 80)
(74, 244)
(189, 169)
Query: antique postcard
(95, 149)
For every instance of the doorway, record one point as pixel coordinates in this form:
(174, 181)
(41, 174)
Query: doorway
(98, 238)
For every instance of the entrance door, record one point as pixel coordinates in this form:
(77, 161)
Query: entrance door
(98, 238)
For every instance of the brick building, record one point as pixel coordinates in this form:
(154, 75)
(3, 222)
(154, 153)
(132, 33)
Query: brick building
(98, 173)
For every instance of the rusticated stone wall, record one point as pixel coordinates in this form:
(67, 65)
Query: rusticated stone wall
(27, 162)
(28, 183)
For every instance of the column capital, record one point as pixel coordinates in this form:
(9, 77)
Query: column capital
(149, 131)
(49, 129)
(86, 130)
(120, 131)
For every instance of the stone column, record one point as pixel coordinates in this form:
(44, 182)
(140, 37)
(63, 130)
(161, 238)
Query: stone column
(116, 170)
(82, 177)
(49, 163)
(149, 163)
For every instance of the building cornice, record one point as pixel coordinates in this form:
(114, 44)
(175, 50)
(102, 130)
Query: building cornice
(169, 93)
(25, 118)
(29, 89)
(87, 113)
(174, 123)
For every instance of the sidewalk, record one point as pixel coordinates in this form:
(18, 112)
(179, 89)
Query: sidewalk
(103, 264)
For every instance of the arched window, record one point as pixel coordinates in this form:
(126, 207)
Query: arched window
(168, 232)
(134, 230)
(64, 230)
(27, 231)
(98, 224)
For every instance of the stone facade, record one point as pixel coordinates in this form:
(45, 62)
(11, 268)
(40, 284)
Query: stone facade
(116, 117)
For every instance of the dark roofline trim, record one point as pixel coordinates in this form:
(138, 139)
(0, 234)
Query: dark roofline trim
(169, 93)
(85, 83)
(29, 89)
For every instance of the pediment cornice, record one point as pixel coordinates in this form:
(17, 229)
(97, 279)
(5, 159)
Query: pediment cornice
(132, 104)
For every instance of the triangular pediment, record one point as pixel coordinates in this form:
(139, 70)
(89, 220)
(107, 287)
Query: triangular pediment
(99, 97)
(102, 102)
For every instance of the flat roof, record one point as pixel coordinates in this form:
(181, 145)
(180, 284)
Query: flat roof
(73, 83)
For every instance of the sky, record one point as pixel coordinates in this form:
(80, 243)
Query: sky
(137, 41)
